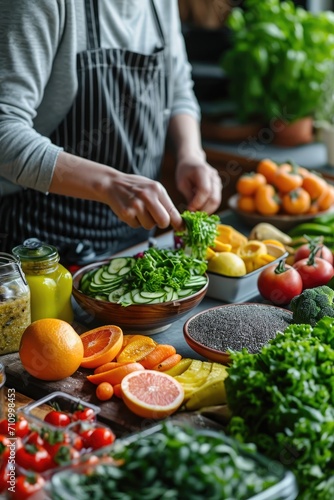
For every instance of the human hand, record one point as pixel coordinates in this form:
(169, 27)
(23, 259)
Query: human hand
(142, 202)
(200, 184)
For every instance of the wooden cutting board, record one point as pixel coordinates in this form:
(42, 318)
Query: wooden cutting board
(114, 412)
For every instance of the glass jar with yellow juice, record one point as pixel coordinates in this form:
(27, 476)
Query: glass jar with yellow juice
(50, 283)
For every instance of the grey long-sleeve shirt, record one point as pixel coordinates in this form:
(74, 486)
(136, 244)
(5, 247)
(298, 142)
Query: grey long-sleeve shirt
(39, 40)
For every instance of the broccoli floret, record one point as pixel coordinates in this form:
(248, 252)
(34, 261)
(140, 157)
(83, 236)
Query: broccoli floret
(312, 305)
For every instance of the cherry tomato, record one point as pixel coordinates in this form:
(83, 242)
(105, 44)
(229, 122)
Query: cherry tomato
(101, 436)
(27, 485)
(35, 438)
(323, 252)
(20, 427)
(3, 478)
(5, 442)
(83, 414)
(85, 435)
(279, 283)
(33, 457)
(63, 454)
(53, 439)
(57, 418)
(314, 271)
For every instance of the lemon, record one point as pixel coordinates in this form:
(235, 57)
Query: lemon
(227, 263)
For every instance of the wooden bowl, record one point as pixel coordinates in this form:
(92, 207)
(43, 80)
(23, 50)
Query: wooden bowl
(281, 221)
(247, 325)
(137, 318)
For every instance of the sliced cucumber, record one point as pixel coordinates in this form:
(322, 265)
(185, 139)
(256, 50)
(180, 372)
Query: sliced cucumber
(139, 299)
(116, 264)
(153, 295)
(125, 270)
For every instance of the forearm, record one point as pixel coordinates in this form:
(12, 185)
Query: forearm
(81, 178)
(185, 137)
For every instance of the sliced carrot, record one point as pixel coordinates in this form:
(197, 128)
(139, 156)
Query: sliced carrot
(136, 349)
(118, 391)
(108, 366)
(161, 352)
(168, 363)
(116, 375)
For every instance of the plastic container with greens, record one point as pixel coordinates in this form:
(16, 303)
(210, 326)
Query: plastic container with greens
(171, 461)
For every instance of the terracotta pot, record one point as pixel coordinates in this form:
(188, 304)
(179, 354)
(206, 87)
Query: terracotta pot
(294, 133)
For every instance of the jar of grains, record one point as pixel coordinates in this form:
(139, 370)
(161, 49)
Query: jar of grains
(50, 283)
(14, 303)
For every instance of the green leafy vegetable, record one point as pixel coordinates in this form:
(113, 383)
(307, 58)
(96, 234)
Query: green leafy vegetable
(200, 233)
(175, 463)
(282, 399)
(313, 304)
(160, 267)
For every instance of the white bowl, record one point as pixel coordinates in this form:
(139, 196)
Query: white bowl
(238, 289)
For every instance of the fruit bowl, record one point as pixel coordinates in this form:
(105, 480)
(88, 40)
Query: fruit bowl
(281, 221)
(135, 318)
(211, 333)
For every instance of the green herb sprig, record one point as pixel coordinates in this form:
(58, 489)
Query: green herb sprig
(200, 233)
(159, 267)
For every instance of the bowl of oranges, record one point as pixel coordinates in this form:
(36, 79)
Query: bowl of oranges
(281, 194)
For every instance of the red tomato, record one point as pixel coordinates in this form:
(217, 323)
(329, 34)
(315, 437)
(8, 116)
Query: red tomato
(63, 454)
(85, 436)
(57, 418)
(323, 252)
(83, 414)
(33, 457)
(279, 283)
(20, 428)
(101, 436)
(27, 485)
(314, 272)
(35, 438)
(3, 478)
(53, 440)
(4, 449)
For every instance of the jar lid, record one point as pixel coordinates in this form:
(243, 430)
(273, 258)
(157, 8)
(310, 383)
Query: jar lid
(35, 250)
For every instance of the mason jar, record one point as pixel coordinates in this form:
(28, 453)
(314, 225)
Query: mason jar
(14, 303)
(50, 283)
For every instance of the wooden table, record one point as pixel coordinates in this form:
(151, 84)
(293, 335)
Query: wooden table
(113, 412)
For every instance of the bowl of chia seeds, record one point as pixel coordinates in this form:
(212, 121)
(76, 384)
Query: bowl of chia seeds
(214, 332)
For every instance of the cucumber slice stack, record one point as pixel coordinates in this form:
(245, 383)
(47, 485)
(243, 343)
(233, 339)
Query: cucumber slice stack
(108, 283)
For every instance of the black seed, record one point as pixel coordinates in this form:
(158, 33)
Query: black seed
(239, 326)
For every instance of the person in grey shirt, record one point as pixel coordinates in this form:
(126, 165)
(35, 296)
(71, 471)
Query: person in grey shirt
(89, 92)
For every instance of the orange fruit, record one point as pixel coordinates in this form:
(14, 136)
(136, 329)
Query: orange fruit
(115, 375)
(101, 345)
(104, 391)
(136, 349)
(152, 394)
(51, 349)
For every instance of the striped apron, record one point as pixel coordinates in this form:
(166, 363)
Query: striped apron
(119, 118)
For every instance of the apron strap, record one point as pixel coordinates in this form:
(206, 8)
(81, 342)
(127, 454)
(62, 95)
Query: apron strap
(158, 24)
(93, 25)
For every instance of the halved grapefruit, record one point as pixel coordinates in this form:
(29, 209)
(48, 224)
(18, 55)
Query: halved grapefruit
(152, 394)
